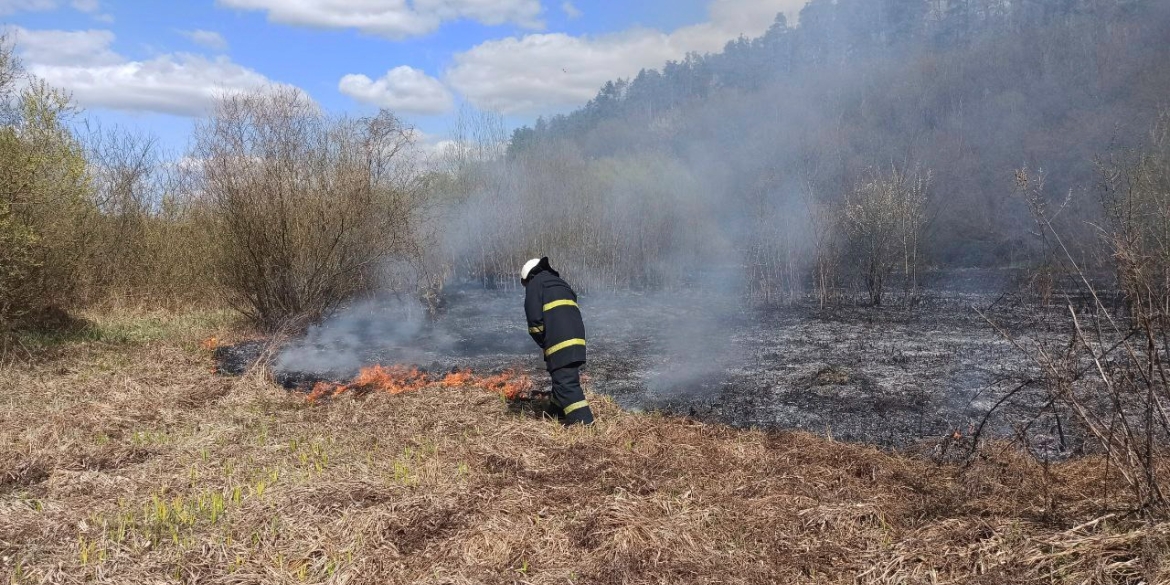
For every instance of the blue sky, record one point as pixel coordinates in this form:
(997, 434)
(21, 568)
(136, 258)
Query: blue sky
(157, 66)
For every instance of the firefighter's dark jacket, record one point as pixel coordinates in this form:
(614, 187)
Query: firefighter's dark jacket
(554, 319)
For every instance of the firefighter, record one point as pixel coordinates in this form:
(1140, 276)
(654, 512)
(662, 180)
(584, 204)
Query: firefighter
(555, 324)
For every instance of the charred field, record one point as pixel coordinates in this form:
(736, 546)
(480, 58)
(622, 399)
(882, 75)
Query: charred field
(927, 374)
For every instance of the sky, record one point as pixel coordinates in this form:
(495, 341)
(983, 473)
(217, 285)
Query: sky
(157, 66)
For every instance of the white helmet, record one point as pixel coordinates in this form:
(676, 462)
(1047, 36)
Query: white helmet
(528, 268)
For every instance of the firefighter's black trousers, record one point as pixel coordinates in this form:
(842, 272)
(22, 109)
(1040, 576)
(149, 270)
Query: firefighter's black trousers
(568, 398)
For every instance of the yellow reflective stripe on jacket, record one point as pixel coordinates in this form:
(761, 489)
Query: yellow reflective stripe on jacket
(536, 329)
(563, 345)
(576, 406)
(564, 303)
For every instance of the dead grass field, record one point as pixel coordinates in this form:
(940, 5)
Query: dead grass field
(123, 459)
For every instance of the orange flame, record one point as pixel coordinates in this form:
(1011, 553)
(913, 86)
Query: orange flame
(210, 344)
(458, 379)
(392, 380)
(320, 389)
(507, 385)
(401, 379)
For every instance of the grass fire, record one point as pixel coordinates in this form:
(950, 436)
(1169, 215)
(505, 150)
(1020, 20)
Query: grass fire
(856, 292)
(401, 379)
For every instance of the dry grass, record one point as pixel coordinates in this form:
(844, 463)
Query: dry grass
(133, 463)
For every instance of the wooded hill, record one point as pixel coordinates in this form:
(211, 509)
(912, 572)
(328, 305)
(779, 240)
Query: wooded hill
(970, 91)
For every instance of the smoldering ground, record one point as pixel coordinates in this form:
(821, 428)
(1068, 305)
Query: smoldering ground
(896, 376)
(683, 337)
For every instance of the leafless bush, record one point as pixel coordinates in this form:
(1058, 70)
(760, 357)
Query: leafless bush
(884, 219)
(145, 244)
(1136, 196)
(307, 209)
(1112, 373)
(124, 168)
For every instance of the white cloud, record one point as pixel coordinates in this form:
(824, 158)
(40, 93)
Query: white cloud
(395, 19)
(59, 47)
(543, 73)
(571, 10)
(14, 6)
(184, 85)
(83, 63)
(402, 89)
(206, 38)
(429, 146)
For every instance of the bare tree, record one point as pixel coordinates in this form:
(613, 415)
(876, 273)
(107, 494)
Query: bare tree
(884, 219)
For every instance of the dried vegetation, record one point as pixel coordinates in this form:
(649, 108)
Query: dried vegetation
(131, 462)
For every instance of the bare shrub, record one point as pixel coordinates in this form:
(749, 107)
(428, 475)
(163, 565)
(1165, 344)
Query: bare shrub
(146, 243)
(180, 248)
(307, 209)
(1136, 196)
(1043, 278)
(884, 219)
(1112, 374)
(775, 243)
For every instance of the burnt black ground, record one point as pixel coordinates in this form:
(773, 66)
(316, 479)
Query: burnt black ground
(898, 376)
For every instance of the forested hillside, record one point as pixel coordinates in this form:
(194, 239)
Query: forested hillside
(753, 157)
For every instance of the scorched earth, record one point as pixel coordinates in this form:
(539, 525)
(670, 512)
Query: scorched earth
(919, 374)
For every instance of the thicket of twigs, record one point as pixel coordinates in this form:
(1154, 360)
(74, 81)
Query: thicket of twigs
(1112, 375)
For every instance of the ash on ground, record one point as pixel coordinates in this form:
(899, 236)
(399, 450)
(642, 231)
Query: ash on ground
(908, 375)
